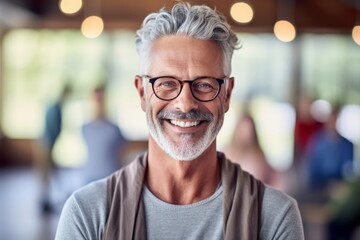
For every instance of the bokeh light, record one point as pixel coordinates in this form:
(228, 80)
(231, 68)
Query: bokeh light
(70, 6)
(356, 34)
(284, 31)
(92, 27)
(241, 12)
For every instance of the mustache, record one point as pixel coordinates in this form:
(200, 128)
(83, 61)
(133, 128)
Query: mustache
(191, 115)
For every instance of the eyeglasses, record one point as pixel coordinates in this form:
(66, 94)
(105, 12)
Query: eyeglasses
(204, 89)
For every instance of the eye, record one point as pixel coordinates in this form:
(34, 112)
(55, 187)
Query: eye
(167, 83)
(205, 85)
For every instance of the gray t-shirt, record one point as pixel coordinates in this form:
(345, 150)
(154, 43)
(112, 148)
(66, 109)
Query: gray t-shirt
(84, 215)
(200, 220)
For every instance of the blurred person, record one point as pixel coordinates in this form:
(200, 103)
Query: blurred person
(103, 139)
(52, 130)
(245, 150)
(329, 158)
(182, 188)
(306, 126)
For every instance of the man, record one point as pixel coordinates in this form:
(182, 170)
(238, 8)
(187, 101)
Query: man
(330, 157)
(103, 140)
(182, 188)
(47, 166)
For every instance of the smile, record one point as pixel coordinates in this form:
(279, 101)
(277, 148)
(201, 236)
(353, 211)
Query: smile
(184, 124)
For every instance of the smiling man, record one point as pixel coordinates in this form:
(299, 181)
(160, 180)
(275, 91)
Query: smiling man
(182, 188)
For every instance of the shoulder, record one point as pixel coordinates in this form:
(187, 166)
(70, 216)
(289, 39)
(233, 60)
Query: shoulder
(91, 199)
(276, 198)
(346, 141)
(86, 194)
(84, 213)
(280, 216)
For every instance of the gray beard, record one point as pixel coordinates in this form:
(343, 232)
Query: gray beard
(186, 149)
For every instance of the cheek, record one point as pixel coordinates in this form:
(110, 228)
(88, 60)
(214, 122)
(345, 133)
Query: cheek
(154, 105)
(218, 112)
(223, 104)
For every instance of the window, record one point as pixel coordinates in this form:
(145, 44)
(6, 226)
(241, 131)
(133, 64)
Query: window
(38, 63)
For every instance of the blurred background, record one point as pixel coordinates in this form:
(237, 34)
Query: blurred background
(297, 77)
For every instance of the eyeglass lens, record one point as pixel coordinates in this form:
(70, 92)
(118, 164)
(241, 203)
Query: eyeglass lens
(203, 89)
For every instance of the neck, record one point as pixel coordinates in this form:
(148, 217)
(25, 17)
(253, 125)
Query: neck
(182, 182)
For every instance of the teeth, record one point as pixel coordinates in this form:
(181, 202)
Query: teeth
(184, 124)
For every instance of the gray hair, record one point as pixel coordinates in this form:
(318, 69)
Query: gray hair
(200, 22)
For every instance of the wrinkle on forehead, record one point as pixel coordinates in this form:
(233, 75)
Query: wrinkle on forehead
(185, 57)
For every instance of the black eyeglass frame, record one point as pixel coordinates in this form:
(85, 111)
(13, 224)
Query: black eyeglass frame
(182, 82)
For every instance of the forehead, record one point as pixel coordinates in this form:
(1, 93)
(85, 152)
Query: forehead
(185, 56)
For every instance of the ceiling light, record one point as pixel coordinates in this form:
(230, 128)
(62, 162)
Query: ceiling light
(241, 12)
(70, 6)
(284, 31)
(356, 34)
(92, 26)
(356, 29)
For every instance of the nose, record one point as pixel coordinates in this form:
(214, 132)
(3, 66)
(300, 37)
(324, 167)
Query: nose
(186, 101)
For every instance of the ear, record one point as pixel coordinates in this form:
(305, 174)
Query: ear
(141, 91)
(228, 93)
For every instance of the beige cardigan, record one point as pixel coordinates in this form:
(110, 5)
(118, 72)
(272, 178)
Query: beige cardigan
(243, 196)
